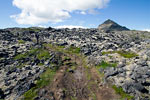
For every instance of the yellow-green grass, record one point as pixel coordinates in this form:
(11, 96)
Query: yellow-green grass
(125, 54)
(71, 49)
(21, 41)
(123, 95)
(45, 79)
(39, 52)
(104, 65)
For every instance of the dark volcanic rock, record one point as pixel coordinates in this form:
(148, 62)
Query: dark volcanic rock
(19, 75)
(1, 94)
(132, 87)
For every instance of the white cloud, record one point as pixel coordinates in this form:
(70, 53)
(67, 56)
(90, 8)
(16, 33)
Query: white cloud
(83, 12)
(92, 11)
(147, 30)
(70, 26)
(43, 11)
(42, 26)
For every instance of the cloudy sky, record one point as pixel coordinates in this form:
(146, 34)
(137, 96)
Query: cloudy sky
(135, 14)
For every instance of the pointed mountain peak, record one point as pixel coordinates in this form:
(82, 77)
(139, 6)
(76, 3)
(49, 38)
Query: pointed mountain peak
(109, 21)
(110, 25)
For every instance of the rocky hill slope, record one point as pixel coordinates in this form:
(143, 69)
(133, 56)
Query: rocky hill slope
(109, 26)
(74, 64)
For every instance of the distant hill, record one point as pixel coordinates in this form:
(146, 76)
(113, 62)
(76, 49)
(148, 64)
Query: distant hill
(109, 26)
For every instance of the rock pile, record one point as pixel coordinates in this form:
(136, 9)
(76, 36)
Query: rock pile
(129, 50)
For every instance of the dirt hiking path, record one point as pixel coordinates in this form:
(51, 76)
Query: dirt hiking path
(77, 81)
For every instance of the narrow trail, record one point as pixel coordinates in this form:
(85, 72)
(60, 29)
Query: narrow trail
(75, 80)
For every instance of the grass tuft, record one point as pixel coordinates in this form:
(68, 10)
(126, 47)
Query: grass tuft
(70, 50)
(45, 79)
(104, 65)
(40, 53)
(21, 41)
(34, 29)
(30, 94)
(67, 58)
(54, 47)
(108, 52)
(74, 50)
(73, 98)
(125, 54)
(25, 55)
(123, 95)
(43, 54)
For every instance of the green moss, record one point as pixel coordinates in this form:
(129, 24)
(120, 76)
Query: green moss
(62, 47)
(40, 64)
(43, 54)
(70, 64)
(125, 54)
(20, 56)
(74, 50)
(40, 53)
(25, 55)
(94, 96)
(33, 51)
(88, 75)
(108, 52)
(71, 68)
(48, 45)
(45, 79)
(70, 50)
(21, 65)
(73, 98)
(31, 94)
(54, 47)
(31, 29)
(123, 95)
(21, 41)
(67, 58)
(104, 65)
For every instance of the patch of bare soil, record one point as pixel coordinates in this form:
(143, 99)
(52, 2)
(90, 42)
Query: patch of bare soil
(80, 83)
(104, 91)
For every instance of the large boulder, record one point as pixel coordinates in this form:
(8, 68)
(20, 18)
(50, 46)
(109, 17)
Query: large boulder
(131, 87)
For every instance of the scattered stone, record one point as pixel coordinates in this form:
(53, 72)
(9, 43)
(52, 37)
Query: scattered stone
(132, 74)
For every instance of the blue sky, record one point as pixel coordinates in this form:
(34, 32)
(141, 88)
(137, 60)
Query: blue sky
(134, 14)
